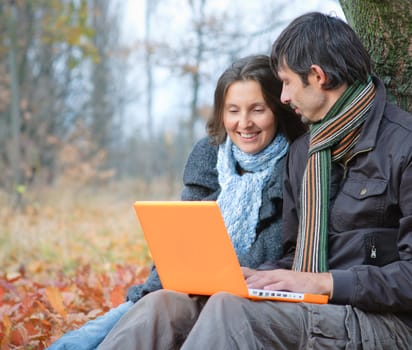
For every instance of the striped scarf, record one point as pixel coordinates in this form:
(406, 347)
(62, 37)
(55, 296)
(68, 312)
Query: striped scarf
(330, 140)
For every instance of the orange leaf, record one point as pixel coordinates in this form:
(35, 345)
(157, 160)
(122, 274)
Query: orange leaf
(56, 300)
(117, 296)
(7, 331)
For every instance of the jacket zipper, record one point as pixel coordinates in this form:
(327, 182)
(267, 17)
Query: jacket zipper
(373, 248)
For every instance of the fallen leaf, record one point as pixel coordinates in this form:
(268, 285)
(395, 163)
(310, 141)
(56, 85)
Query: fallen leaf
(13, 276)
(7, 331)
(56, 300)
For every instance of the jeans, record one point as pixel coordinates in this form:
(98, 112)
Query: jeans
(92, 333)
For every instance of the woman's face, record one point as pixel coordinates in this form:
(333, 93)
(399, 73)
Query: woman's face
(248, 120)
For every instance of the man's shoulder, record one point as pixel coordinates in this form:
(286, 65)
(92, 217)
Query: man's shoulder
(395, 115)
(395, 131)
(301, 144)
(298, 154)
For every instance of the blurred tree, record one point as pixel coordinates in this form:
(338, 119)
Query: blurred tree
(199, 25)
(56, 67)
(149, 13)
(14, 154)
(103, 106)
(101, 103)
(385, 27)
(148, 167)
(51, 37)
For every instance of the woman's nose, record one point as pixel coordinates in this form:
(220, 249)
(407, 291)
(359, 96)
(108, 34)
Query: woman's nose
(244, 120)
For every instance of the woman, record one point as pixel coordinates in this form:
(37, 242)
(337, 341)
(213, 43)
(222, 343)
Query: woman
(240, 164)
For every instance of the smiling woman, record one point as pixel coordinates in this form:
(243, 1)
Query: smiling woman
(245, 181)
(247, 118)
(240, 165)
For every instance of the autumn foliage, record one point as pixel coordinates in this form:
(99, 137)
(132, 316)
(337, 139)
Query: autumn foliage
(65, 258)
(32, 315)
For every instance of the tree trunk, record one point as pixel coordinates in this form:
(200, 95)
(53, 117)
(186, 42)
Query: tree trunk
(15, 104)
(149, 168)
(385, 28)
(200, 49)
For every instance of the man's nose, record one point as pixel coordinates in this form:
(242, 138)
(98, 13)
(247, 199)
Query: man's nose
(284, 97)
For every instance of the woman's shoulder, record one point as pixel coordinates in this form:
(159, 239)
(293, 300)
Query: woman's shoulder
(205, 145)
(201, 164)
(203, 153)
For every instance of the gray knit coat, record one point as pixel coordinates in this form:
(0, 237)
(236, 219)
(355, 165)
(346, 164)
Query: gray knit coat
(201, 183)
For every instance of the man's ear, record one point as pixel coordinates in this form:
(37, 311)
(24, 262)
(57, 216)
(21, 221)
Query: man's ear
(317, 75)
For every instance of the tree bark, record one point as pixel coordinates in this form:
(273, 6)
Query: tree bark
(385, 28)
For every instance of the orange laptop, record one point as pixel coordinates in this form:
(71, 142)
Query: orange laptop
(193, 253)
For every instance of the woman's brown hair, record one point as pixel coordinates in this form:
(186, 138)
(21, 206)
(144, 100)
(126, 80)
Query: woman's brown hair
(256, 68)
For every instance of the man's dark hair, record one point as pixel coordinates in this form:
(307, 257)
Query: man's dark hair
(327, 41)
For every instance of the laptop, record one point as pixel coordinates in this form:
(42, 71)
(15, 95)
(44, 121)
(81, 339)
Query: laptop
(193, 252)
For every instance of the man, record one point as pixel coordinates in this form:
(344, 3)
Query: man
(347, 227)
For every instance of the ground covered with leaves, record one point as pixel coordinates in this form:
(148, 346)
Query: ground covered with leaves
(65, 258)
(35, 314)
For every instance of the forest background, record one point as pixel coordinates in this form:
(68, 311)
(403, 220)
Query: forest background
(100, 104)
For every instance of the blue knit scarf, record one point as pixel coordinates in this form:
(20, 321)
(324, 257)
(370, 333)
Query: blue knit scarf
(241, 195)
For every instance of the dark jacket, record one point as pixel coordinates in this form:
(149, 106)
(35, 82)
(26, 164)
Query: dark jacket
(370, 225)
(201, 183)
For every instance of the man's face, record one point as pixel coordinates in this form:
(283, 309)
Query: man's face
(310, 101)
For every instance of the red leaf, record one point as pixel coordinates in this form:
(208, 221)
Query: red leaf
(19, 336)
